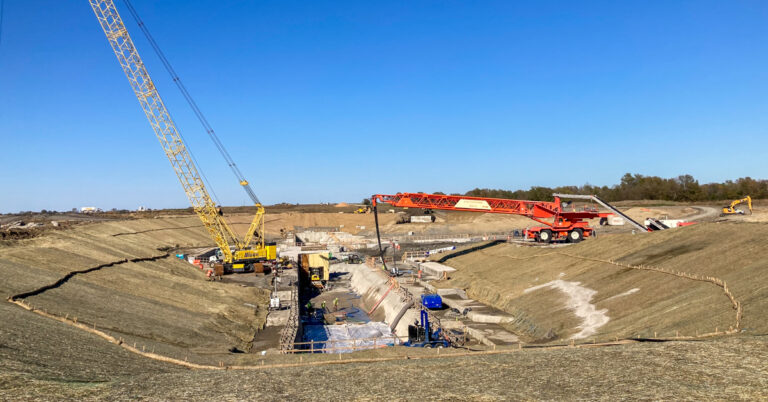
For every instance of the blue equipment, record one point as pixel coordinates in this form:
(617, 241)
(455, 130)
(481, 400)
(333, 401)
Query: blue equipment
(421, 336)
(432, 301)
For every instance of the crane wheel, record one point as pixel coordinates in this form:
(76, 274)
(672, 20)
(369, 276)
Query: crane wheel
(545, 236)
(575, 236)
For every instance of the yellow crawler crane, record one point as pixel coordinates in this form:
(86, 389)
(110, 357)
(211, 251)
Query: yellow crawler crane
(237, 255)
(732, 210)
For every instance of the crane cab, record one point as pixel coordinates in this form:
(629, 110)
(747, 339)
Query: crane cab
(246, 260)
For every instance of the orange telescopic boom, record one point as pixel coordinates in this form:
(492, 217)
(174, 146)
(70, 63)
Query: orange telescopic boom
(559, 223)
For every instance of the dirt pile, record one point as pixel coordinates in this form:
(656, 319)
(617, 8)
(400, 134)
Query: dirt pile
(445, 223)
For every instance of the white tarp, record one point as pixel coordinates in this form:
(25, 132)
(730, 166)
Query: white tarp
(349, 337)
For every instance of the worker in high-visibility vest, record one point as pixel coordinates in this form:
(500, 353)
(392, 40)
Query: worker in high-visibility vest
(323, 306)
(336, 304)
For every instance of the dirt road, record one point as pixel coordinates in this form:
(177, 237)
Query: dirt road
(704, 214)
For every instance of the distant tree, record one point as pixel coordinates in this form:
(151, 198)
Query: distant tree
(640, 187)
(366, 201)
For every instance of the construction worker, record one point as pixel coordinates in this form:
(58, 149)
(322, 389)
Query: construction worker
(336, 304)
(322, 305)
(309, 307)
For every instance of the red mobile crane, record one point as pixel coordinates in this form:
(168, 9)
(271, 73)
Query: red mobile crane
(560, 224)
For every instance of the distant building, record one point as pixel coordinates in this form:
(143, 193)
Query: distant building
(89, 210)
(142, 209)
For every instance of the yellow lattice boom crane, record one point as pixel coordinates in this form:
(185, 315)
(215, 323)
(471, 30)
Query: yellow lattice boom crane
(237, 255)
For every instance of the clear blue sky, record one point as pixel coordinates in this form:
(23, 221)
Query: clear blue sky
(325, 101)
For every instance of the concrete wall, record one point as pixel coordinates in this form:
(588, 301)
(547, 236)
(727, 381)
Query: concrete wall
(372, 285)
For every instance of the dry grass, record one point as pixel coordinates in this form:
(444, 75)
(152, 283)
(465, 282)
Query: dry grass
(730, 369)
(166, 305)
(663, 304)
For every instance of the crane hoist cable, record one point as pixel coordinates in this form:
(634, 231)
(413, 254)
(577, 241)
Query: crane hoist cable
(192, 104)
(162, 57)
(237, 255)
(378, 237)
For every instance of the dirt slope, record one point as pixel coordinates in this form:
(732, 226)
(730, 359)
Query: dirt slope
(34, 368)
(166, 304)
(636, 303)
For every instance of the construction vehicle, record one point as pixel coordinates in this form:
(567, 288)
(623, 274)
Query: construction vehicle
(420, 335)
(365, 209)
(732, 210)
(560, 224)
(354, 259)
(316, 268)
(237, 255)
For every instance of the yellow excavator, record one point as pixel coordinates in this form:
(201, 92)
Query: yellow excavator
(236, 255)
(732, 210)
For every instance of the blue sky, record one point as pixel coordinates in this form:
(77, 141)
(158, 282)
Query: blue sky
(326, 101)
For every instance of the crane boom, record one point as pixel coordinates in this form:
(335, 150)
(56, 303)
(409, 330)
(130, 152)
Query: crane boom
(561, 223)
(171, 140)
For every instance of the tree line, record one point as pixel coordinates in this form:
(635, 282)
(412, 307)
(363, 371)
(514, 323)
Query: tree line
(640, 187)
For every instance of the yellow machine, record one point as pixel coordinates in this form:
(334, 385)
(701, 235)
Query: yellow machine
(236, 254)
(316, 268)
(732, 210)
(363, 210)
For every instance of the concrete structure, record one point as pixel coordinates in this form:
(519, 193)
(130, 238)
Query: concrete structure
(435, 269)
(374, 286)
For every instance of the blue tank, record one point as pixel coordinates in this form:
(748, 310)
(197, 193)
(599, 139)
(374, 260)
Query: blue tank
(432, 301)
